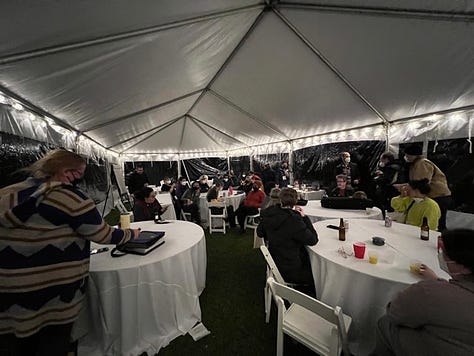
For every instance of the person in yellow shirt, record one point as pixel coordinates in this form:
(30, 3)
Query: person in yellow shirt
(414, 203)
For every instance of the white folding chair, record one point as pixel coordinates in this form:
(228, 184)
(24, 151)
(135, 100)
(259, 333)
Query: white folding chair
(186, 216)
(251, 221)
(316, 325)
(272, 271)
(216, 221)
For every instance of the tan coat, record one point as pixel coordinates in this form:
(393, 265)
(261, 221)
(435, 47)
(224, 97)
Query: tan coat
(422, 168)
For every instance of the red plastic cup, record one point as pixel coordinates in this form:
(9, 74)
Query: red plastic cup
(359, 249)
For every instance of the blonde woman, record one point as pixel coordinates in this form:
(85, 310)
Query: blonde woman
(46, 225)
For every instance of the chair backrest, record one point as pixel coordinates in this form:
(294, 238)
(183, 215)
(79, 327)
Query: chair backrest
(272, 267)
(332, 315)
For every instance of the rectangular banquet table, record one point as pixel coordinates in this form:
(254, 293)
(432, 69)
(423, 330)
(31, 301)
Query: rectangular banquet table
(139, 304)
(363, 289)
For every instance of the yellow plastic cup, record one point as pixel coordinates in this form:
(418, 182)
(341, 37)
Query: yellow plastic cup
(373, 257)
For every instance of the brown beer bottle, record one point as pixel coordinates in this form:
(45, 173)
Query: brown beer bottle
(425, 230)
(342, 230)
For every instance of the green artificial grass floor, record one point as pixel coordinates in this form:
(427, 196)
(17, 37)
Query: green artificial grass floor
(232, 303)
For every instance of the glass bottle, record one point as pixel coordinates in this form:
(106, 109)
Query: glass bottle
(388, 220)
(342, 230)
(157, 217)
(425, 230)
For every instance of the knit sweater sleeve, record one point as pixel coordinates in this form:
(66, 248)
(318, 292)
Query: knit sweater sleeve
(70, 206)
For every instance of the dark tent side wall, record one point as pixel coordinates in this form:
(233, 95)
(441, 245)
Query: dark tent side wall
(18, 152)
(318, 163)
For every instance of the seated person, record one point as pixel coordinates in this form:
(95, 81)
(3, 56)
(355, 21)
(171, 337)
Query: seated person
(166, 186)
(212, 196)
(252, 202)
(226, 182)
(342, 189)
(181, 187)
(288, 231)
(415, 205)
(203, 183)
(359, 195)
(246, 184)
(213, 193)
(273, 198)
(434, 316)
(146, 207)
(175, 200)
(190, 202)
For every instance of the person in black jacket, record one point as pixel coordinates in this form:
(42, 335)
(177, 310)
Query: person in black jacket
(349, 169)
(137, 179)
(388, 172)
(287, 231)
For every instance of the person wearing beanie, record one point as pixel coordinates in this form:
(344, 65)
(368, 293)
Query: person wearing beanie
(421, 168)
(250, 205)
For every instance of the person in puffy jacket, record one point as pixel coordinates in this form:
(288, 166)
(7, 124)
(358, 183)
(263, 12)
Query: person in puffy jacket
(288, 231)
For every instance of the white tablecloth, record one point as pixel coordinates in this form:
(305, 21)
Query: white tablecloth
(165, 200)
(230, 200)
(363, 289)
(139, 304)
(316, 212)
(311, 194)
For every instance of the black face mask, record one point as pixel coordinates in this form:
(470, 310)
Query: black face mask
(77, 182)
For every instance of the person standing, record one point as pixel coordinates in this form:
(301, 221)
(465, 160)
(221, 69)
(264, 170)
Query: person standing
(268, 174)
(283, 175)
(46, 225)
(137, 179)
(388, 172)
(349, 169)
(288, 231)
(421, 168)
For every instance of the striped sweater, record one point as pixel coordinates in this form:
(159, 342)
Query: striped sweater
(45, 234)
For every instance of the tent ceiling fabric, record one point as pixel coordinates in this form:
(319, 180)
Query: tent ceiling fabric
(211, 77)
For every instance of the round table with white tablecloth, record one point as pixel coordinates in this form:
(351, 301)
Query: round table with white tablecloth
(316, 212)
(311, 194)
(233, 200)
(363, 289)
(139, 304)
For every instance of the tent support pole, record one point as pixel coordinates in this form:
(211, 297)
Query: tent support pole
(251, 163)
(290, 163)
(228, 163)
(179, 167)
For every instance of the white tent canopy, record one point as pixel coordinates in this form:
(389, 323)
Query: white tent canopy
(180, 79)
